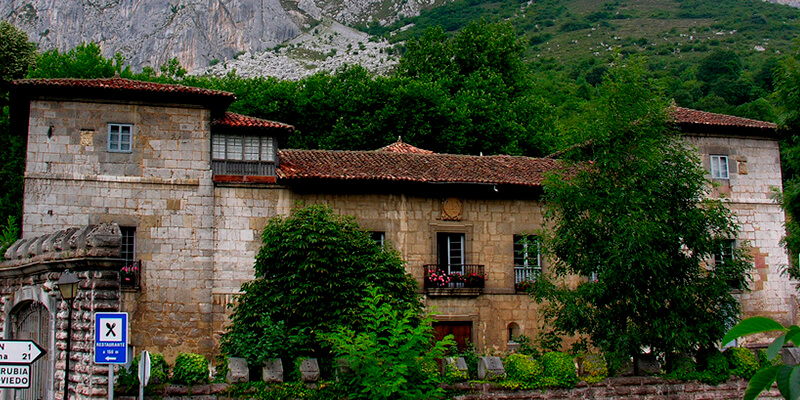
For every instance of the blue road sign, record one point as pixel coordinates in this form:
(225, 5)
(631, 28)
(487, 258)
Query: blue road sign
(111, 338)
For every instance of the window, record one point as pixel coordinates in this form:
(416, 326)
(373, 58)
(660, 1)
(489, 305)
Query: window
(120, 138)
(129, 275)
(527, 258)
(513, 332)
(719, 167)
(451, 251)
(378, 237)
(243, 148)
(725, 252)
(128, 243)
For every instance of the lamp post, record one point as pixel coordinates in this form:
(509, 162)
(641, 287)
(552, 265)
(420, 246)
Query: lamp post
(68, 286)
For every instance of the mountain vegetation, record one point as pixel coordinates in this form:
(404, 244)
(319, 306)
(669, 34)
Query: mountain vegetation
(484, 76)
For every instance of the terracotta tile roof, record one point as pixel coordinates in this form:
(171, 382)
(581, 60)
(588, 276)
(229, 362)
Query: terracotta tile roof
(233, 120)
(695, 117)
(400, 147)
(413, 167)
(120, 84)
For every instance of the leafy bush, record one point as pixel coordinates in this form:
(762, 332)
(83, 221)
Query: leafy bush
(190, 369)
(128, 379)
(310, 277)
(523, 368)
(221, 369)
(595, 368)
(712, 366)
(525, 346)
(390, 356)
(743, 362)
(453, 374)
(470, 356)
(559, 370)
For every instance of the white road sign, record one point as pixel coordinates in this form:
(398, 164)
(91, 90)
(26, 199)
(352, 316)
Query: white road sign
(15, 376)
(19, 351)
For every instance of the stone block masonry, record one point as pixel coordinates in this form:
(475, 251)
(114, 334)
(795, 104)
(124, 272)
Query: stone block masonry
(33, 307)
(623, 388)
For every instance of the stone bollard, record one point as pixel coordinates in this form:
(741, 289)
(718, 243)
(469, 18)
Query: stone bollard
(309, 370)
(272, 371)
(343, 368)
(791, 355)
(490, 368)
(237, 370)
(455, 367)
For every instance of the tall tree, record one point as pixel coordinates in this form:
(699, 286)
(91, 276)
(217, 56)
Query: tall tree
(632, 212)
(311, 274)
(84, 61)
(788, 91)
(17, 55)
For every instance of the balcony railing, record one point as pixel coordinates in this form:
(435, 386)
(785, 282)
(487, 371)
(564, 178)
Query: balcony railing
(252, 168)
(454, 276)
(130, 276)
(524, 277)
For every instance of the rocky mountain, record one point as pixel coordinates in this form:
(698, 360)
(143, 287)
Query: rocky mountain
(198, 32)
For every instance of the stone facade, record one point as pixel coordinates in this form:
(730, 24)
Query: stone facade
(197, 232)
(754, 176)
(163, 188)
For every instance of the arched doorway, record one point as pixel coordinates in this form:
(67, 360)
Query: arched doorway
(31, 321)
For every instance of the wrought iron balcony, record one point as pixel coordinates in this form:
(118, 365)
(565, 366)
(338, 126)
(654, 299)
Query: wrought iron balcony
(130, 276)
(454, 279)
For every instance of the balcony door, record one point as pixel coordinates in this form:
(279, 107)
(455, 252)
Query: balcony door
(451, 254)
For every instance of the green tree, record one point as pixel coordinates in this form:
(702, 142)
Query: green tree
(393, 355)
(311, 274)
(480, 76)
(632, 211)
(84, 61)
(787, 84)
(17, 55)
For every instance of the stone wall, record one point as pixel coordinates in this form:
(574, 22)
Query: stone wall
(627, 388)
(28, 282)
(411, 223)
(163, 188)
(754, 169)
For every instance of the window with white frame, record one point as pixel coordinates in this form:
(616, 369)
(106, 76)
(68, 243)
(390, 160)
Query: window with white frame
(378, 237)
(243, 148)
(527, 258)
(451, 251)
(120, 138)
(719, 167)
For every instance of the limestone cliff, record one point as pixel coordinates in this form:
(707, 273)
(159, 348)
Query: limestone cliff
(195, 31)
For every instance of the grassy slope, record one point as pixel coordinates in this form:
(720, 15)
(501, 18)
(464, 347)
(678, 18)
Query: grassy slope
(673, 31)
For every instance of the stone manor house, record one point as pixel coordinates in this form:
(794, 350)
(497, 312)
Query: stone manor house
(155, 196)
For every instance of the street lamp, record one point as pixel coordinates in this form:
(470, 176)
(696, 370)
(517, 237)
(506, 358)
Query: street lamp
(68, 286)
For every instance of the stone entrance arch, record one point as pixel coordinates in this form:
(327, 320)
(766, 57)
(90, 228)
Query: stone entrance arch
(31, 320)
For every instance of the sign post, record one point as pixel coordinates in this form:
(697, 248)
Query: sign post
(111, 338)
(111, 342)
(15, 359)
(144, 373)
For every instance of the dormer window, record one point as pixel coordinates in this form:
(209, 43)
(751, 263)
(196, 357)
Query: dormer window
(242, 154)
